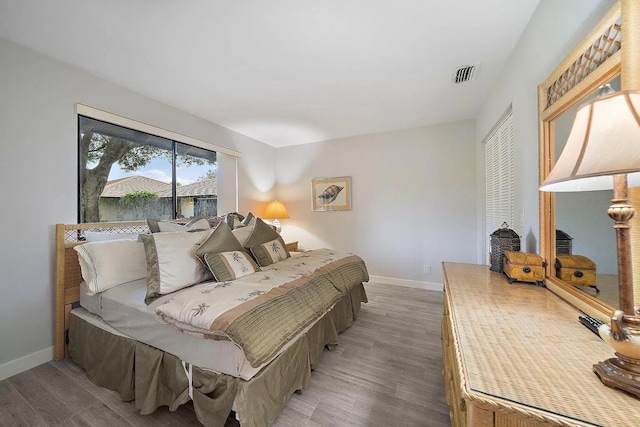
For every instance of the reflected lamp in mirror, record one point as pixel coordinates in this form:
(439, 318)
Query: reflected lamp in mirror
(276, 211)
(604, 141)
(603, 152)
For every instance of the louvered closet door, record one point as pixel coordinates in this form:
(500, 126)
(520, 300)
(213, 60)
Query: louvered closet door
(499, 169)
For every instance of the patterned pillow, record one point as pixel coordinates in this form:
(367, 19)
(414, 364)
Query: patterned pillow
(270, 252)
(226, 266)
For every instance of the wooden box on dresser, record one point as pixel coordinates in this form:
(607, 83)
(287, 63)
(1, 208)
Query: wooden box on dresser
(516, 355)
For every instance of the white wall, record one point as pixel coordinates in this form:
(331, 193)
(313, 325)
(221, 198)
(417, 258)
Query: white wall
(413, 198)
(38, 172)
(553, 31)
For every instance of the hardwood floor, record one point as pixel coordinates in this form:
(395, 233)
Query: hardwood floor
(385, 372)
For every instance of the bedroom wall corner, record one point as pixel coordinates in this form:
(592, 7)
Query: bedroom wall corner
(412, 201)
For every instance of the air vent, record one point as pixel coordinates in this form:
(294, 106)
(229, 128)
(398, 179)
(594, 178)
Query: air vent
(465, 73)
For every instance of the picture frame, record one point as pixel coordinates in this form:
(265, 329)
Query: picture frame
(331, 194)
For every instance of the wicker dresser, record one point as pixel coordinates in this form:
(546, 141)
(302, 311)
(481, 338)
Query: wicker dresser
(516, 355)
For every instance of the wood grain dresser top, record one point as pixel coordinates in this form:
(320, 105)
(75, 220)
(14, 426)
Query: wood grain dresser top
(521, 343)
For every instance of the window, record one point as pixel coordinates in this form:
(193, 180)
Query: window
(499, 169)
(128, 175)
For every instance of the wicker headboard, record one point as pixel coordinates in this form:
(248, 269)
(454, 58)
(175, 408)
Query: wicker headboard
(68, 274)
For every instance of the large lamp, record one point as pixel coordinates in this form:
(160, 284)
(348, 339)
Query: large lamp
(276, 211)
(603, 152)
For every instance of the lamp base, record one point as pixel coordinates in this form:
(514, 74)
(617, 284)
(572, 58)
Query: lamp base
(276, 224)
(620, 372)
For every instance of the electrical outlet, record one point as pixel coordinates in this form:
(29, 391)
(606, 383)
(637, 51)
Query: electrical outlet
(427, 269)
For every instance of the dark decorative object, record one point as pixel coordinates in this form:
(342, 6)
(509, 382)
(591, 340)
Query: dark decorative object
(563, 243)
(503, 239)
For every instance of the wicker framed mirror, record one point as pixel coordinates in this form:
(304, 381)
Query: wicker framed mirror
(595, 61)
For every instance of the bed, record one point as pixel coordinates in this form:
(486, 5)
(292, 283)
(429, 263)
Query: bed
(242, 345)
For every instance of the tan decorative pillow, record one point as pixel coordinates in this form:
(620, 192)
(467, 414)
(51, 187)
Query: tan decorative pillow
(226, 266)
(270, 252)
(249, 219)
(220, 240)
(214, 221)
(243, 233)
(153, 225)
(233, 219)
(157, 226)
(262, 233)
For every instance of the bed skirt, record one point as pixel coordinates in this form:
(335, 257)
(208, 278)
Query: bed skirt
(154, 378)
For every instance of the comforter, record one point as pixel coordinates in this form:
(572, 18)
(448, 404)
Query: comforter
(263, 311)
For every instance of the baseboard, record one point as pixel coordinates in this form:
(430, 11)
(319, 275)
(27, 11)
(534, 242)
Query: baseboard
(430, 286)
(25, 363)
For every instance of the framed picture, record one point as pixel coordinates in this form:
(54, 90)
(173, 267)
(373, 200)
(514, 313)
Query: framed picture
(331, 194)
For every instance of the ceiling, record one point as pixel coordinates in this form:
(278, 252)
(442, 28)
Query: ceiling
(284, 72)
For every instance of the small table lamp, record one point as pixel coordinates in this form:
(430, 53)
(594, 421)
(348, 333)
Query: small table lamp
(276, 211)
(603, 152)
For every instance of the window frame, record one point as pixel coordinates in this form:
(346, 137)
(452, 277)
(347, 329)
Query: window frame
(175, 138)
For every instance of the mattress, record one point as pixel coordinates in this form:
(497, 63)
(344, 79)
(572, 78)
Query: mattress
(123, 309)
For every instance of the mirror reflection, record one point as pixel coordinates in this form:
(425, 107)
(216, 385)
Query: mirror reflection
(582, 216)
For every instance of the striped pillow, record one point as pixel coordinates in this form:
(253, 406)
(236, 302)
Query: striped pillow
(226, 266)
(270, 252)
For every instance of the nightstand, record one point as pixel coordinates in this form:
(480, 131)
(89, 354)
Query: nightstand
(292, 246)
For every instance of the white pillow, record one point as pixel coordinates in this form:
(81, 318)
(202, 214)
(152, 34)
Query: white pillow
(101, 236)
(201, 224)
(111, 263)
(172, 263)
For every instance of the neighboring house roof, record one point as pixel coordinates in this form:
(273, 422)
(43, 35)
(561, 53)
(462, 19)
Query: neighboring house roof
(207, 187)
(132, 184)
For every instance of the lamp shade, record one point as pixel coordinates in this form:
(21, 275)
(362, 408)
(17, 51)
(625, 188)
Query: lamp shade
(276, 210)
(604, 141)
